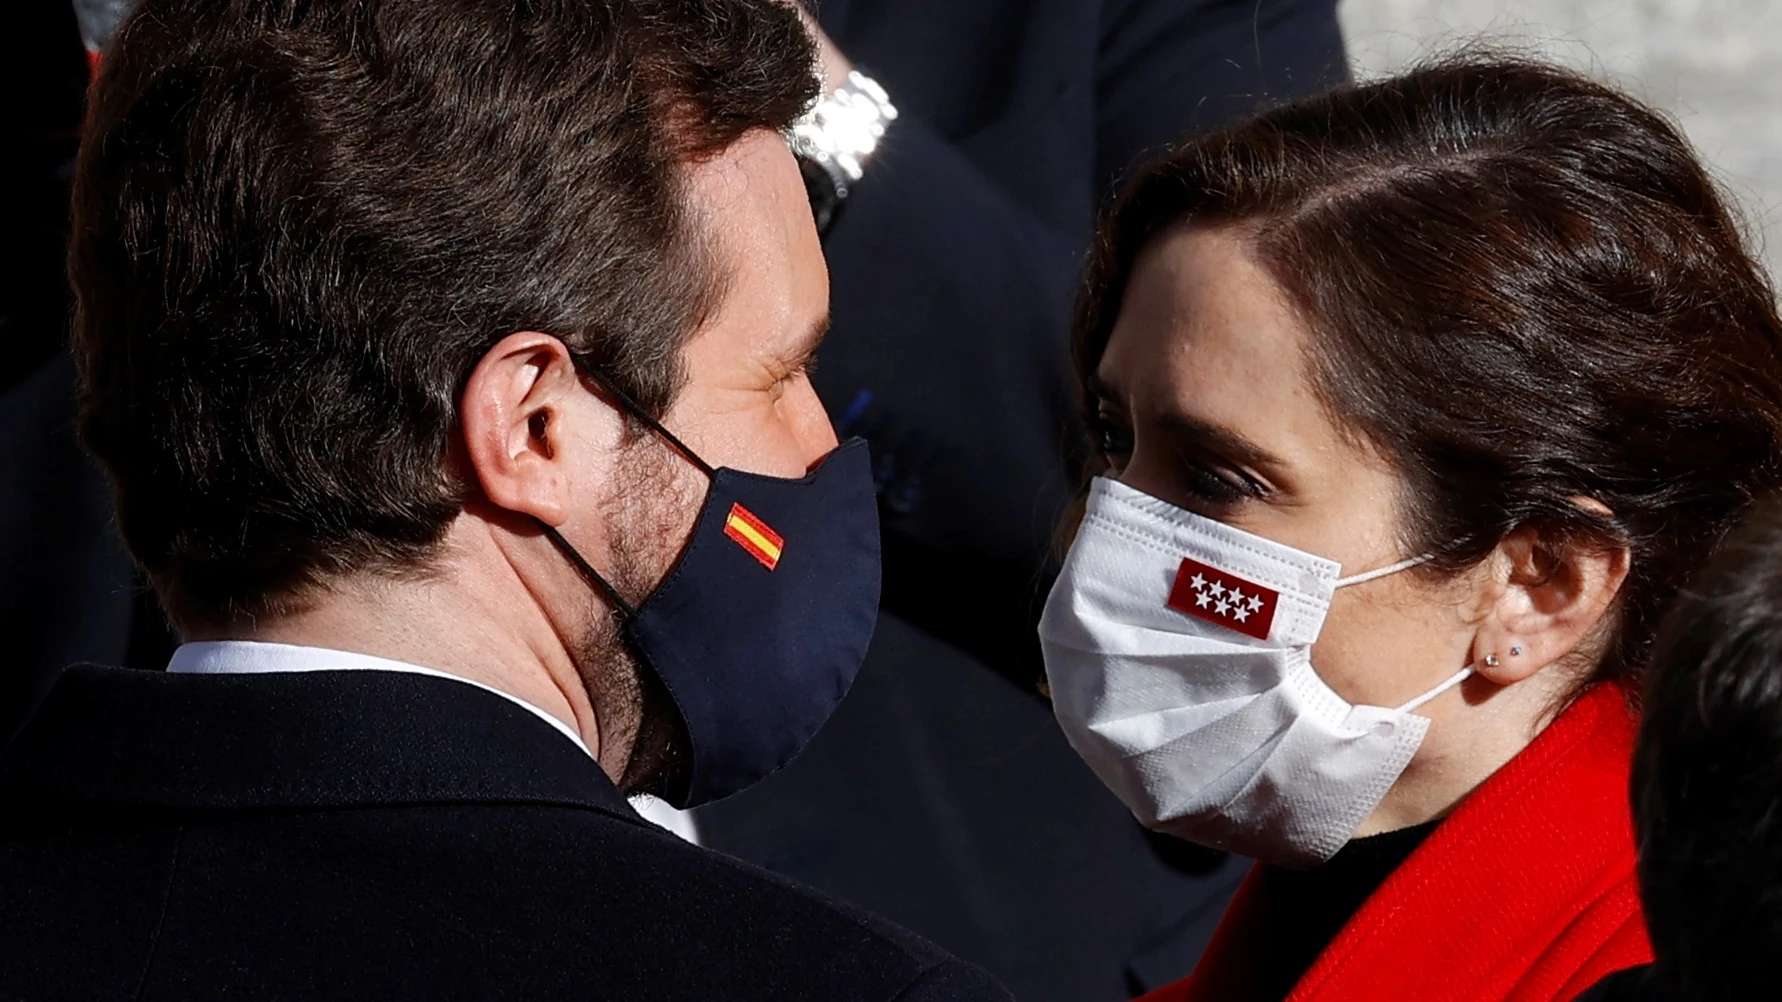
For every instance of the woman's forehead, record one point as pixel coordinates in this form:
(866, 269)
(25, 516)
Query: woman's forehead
(1204, 329)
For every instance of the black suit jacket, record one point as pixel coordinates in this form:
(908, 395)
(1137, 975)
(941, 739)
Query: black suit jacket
(382, 835)
(942, 794)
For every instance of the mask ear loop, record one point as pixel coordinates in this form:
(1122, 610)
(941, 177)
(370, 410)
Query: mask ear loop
(1373, 575)
(1453, 680)
(626, 610)
(1405, 565)
(649, 422)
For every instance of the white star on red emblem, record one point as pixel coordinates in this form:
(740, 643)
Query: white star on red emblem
(1201, 598)
(1241, 614)
(1218, 589)
(1255, 604)
(1222, 607)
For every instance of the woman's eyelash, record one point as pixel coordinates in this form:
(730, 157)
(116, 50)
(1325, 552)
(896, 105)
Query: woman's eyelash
(1111, 437)
(1206, 482)
(1217, 488)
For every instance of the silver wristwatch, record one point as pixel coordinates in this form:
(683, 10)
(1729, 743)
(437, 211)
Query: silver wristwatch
(837, 138)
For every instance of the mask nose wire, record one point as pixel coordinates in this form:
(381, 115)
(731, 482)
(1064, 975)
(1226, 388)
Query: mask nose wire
(627, 611)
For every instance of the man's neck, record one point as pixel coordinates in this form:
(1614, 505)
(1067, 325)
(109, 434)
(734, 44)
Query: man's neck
(436, 623)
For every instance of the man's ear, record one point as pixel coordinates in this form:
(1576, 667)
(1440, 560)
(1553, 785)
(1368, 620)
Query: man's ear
(1548, 598)
(514, 416)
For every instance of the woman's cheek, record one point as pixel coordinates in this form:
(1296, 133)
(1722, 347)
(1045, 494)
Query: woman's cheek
(1385, 654)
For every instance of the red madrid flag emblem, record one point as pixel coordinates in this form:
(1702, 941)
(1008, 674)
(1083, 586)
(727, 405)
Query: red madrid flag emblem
(1225, 599)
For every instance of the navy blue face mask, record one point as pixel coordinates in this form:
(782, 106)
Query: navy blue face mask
(760, 628)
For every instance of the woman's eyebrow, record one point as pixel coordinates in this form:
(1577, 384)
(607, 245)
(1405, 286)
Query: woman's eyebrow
(1215, 436)
(1220, 438)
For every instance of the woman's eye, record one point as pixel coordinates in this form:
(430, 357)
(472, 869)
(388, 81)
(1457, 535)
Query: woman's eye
(1112, 440)
(1216, 488)
(1209, 484)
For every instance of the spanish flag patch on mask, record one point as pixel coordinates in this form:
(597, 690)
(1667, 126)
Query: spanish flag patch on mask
(754, 536)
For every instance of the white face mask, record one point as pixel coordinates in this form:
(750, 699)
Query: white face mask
(1178, 653)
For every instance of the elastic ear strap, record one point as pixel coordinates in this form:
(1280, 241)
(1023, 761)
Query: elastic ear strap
(1402, 565)
(1453, 680)
(649, 422)
(588, 571)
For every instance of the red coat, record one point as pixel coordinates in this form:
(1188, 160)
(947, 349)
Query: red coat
(1526, 893)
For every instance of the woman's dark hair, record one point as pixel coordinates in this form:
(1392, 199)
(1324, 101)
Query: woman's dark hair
(298, 226)
(1524, 290)
(1707, 779)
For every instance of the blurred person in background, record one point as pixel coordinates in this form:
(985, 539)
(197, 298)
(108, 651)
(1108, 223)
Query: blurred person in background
(68, 592)
(447, 361)
(1707, 781)
(1415, 406)
(970, 144)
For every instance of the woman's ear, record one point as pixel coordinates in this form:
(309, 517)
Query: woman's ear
(512, 419)
(1549, 598)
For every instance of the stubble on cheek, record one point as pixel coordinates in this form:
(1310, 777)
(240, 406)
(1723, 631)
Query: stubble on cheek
(651, 513)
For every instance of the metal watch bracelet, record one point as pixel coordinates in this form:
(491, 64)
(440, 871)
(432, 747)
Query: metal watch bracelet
(838, 137)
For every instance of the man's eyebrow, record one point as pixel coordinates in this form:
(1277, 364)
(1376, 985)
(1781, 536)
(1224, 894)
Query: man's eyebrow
(798, 357)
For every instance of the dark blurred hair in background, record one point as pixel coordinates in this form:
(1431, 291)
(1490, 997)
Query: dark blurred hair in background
(1707, 775)
(1524, 290)
(315, 218)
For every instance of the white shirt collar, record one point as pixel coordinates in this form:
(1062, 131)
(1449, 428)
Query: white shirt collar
(222, 657)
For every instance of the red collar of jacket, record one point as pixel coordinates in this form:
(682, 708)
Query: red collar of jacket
(1526, 893)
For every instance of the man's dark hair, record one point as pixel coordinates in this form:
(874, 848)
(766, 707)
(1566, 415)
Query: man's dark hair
(1523, 289)
(1707, 779)
(299, 225)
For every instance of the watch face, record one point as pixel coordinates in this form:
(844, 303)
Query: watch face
(819, 187)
